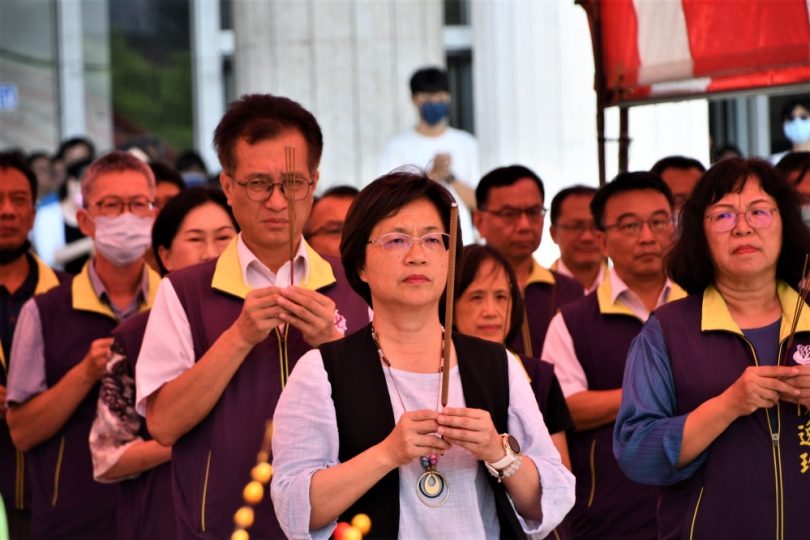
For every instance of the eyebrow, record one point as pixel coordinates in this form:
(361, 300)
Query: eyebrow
(200, 231)
(758, 201)
(631, 214)
(403, 230)
(269, 176)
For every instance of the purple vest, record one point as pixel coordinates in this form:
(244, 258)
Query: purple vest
(211, 463)
(15, 486)
(146, 507)
(543, 301)
(66, 501)
(608, 504)
(734, 493)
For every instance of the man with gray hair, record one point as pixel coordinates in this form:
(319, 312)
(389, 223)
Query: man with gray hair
(60, 352)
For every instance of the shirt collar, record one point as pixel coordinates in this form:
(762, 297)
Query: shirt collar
(615, 297)
(101, 290)
(89, 291)
(539, 275)
(254, 270)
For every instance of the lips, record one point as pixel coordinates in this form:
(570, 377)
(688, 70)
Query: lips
(489, 329)
(416, 279)
(742, 250)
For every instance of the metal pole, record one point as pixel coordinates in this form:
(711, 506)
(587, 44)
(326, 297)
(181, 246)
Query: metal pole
(591, 7)
(624, 138)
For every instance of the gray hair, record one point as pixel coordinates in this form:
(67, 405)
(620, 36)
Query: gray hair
(116, 161)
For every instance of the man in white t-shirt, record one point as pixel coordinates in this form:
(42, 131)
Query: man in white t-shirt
(449, 155)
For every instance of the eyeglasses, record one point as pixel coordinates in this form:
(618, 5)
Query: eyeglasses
(511, 214)
(331, 228)
(632, 227)
(578, 227)
(259, 190)
(113, 206)
(433, 242)
(758, 218)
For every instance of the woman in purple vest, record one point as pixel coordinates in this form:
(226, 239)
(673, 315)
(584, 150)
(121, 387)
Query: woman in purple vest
(194, 226)
(355, 428)
(714, 405)
(489, 306)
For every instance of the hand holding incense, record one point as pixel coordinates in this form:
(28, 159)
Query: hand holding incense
(448, 311)
(804, 285)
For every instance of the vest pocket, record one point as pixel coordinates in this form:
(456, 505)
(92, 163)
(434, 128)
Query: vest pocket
(205, 490)
(58, 470)
(593, 473)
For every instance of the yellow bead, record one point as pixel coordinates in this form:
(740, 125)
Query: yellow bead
(262, 472)
(362, 522)
(244, 517)
(352, 533)
(253, 493)
(240, 535)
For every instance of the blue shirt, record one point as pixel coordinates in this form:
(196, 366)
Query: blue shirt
(648, 434)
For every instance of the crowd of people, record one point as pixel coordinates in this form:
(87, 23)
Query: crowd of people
(653, 383)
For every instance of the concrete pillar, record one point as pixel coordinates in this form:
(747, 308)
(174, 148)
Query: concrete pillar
(535, 104)
(347, 61)
(206, 67)
(71, 68)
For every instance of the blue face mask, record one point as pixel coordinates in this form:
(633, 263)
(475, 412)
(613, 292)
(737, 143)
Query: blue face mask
(434, 112)
(797, 130)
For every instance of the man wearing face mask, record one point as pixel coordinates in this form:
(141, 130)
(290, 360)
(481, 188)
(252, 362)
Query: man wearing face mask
(449, 155)
(60, 352)
(796, 126)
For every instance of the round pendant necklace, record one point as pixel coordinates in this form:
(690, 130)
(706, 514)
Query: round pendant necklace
(432, 487)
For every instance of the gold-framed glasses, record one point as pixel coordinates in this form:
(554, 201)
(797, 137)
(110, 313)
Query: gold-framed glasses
(757, 218)
(632, 226)
(433, 242)
(114, 206)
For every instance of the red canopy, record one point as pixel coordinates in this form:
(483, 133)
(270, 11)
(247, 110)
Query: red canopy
(668, 49)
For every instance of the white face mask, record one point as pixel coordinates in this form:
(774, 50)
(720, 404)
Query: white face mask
(123, 239)
(797, 130)
(806, 214)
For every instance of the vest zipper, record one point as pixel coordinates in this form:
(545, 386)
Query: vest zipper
(205, 490)
(593, 473)
(58, 470)
(694, 517)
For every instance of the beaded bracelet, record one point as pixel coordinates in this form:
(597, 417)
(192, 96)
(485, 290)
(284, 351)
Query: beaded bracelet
(509, 471)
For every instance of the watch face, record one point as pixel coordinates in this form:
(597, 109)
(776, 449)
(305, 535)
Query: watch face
(513, 444)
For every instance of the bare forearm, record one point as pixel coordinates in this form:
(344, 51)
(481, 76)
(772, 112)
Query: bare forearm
(702, 427)
(332, 491)
(525, 490)
(560, 442)
(41, 417)
(594, 408)
(466, 194)
(139, 458)
(183, 402)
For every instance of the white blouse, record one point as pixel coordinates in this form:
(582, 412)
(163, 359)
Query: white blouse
(306, 440)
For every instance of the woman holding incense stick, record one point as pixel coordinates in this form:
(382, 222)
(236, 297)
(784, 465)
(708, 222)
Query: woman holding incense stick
(360, 428)
(717, 386)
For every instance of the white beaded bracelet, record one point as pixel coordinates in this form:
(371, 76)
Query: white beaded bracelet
(509, 471)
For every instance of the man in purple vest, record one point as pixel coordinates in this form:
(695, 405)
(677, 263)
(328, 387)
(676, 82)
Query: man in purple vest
(60, 351)
(22, 275)
(510, 217)
(588, 342)
(224, 335)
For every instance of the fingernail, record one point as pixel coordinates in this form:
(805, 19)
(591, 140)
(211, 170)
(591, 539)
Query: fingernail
(796, 391)
(441, 419)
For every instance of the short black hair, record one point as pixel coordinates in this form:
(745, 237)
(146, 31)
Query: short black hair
(168, 221)
(627, 181)
(793, 162)
(677, 162)
(472, 259)
(787, 108)
(379, 200)
(348, 192)
(429, 79)
(502, 177)
(188, 159)
(15, 160)
(689, 263)
(559, 198)
(166, 173)
(39, 154)
(67, 144)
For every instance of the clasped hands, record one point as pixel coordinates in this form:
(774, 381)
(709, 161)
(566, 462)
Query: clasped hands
(309, 311)
(765, 386)
(415, 435)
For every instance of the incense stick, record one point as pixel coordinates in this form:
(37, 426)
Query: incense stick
(289, 184)
(804, 285)
(448, 311)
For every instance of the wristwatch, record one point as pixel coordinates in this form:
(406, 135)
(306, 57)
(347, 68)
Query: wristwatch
(510, 463)
(450, 179)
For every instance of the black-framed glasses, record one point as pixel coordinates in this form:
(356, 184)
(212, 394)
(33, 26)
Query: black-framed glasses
(330, 228)
(259, 189)
(758, 218)
(632, 226)
(114, 206)
(578, 227)
(432, 242)
(511, 214)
